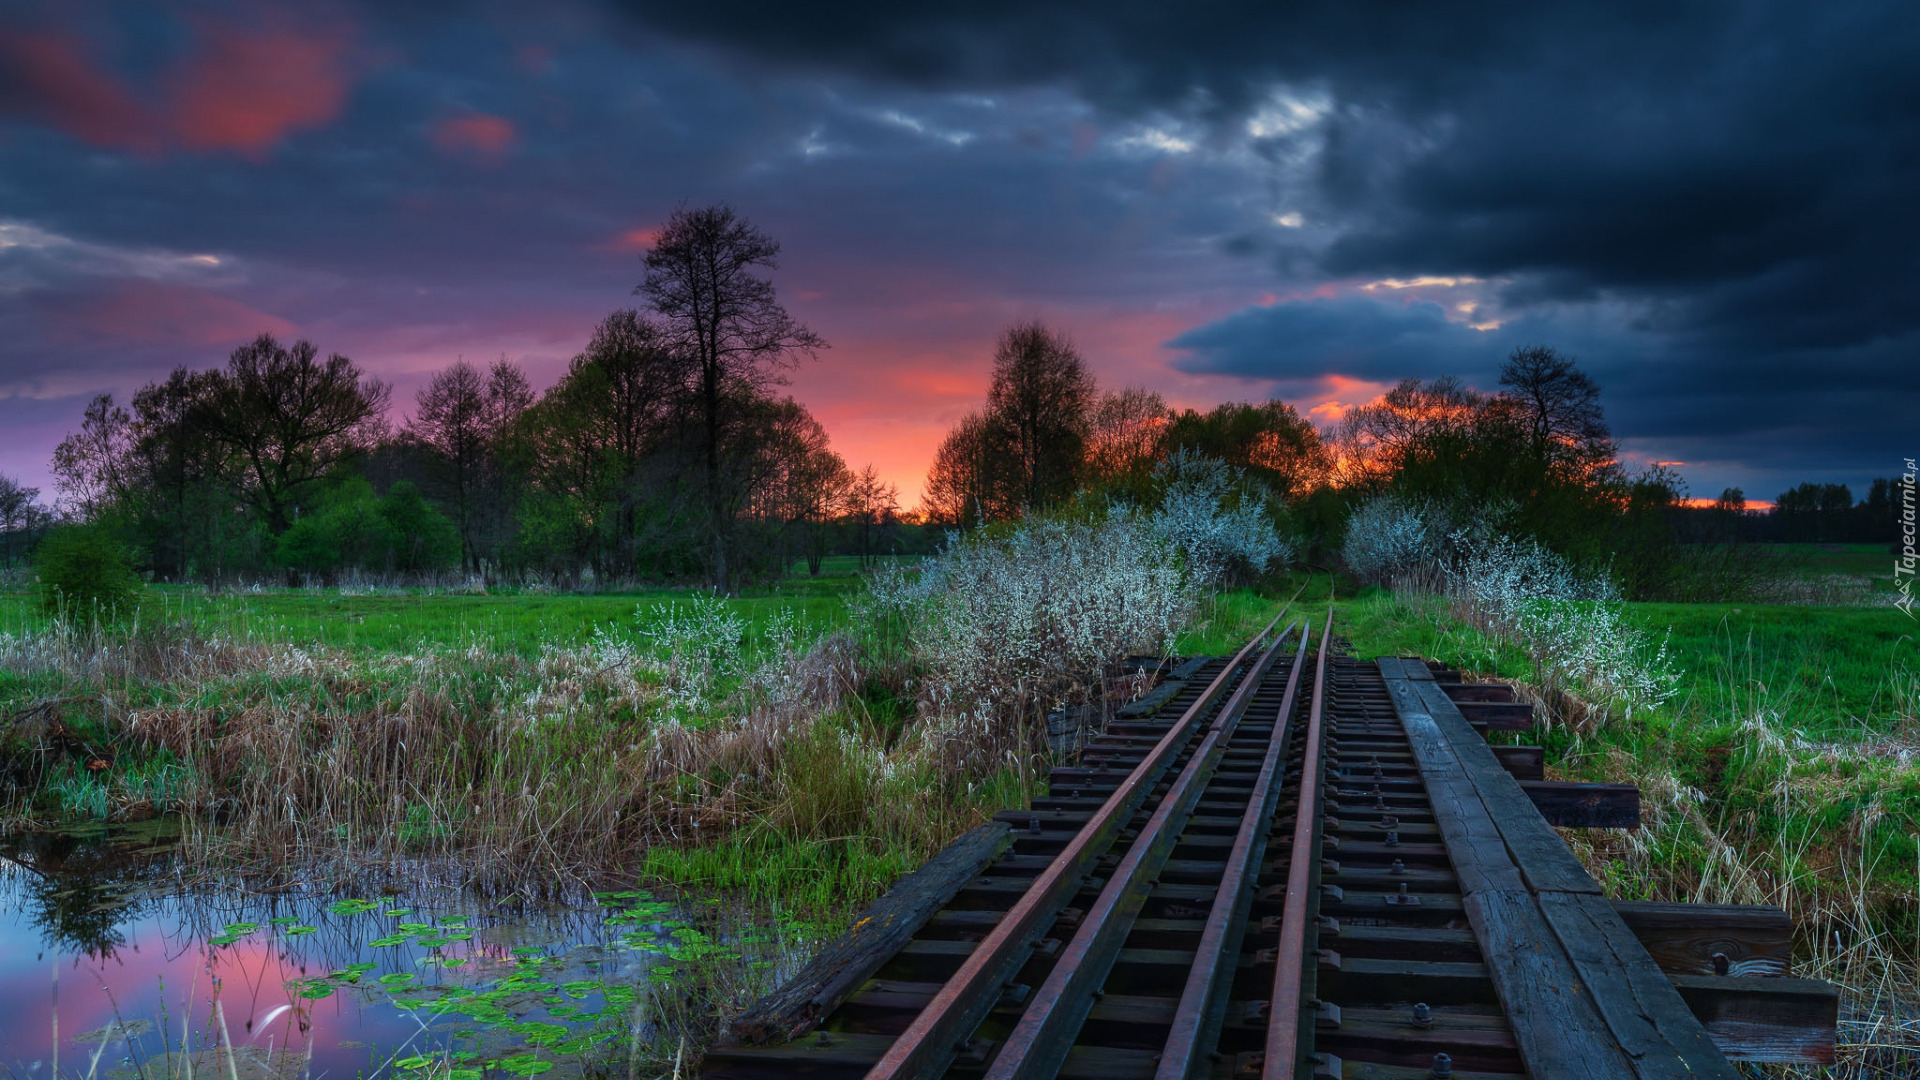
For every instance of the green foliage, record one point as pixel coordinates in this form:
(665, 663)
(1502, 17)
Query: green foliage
(86, 576)
(399, 532)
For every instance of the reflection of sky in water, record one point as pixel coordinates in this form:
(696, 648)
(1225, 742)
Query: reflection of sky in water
(90, 934)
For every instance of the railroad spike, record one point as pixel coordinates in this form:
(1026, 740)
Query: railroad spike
(1442, 1067)
(1422, 1016)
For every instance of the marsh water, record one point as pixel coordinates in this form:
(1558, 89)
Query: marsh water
(112, 965)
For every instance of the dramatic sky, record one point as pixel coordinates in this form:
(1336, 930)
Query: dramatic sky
(1712, 205)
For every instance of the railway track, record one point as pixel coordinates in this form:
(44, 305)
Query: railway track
(1300, 865)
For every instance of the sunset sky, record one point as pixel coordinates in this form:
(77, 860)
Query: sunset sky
(1712, 205)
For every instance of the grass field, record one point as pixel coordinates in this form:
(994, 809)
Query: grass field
(400, 620)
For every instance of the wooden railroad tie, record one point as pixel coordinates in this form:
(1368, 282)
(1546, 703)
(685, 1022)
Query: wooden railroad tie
(1435, 924)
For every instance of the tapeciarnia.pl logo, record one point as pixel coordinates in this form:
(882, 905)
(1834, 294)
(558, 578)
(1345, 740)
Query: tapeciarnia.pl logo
(1903, 565)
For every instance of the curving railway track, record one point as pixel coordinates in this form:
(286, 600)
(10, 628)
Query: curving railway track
(1299, 865)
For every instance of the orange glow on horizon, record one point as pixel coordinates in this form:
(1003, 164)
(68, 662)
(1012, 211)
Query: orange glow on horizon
(1708, 504)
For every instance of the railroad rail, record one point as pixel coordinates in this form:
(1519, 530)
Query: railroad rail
(1295, 865)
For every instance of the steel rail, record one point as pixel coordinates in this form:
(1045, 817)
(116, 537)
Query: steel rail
(1284, 1015)
(932, 1041)
(1197, 1020)
(1041, 1039)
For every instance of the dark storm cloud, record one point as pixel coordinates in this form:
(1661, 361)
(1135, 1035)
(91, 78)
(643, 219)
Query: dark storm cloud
(1729, 189)
(1711, 204)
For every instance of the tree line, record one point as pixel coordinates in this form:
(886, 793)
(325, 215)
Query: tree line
(665, 451)
(1535, 458)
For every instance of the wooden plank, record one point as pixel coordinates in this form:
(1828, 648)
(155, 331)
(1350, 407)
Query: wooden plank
(880, 931)
(1543, 858)
(1585, 806)
(1778, 1020)
(1641, 1007)
(1684, 938)
(1479, 691)
(1498, 715)
(1556, 1022)
(1524, 762)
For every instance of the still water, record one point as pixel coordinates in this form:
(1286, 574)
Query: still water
(110, 966)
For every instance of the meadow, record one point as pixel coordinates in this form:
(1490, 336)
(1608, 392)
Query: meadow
(1782, 767)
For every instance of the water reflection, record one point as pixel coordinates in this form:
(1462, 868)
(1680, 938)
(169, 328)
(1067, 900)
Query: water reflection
(110, 964)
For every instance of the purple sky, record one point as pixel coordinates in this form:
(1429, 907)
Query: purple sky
(1711, 205)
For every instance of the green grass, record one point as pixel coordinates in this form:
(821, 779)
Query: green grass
(1805, 562)
(516, 622)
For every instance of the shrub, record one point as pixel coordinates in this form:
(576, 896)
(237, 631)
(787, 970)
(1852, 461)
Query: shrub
(1007, 623)
(1570, 623)
(1388, 539)
(85, 576)
(1210, 513)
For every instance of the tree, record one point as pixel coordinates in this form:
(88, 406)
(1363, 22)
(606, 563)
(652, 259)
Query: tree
(1269, 442)
(959, 486)
(1376, 439)
(1039, 409)
(450, 420)
(872, 508)
(180, 470)
(291, 419)
(91, 466)
(1125, 432)
(1559, 405)
(20, 516)
(725, 321)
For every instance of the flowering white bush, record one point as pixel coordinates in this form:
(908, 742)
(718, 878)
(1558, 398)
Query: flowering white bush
(1207, 513)
(1389, 538)
(1570, 623)
(703, 639)
(1005, 625)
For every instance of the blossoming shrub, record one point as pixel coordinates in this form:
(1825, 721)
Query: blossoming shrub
(1208, 511)
(1389, 539)
(1572, 624)
(1004, 625)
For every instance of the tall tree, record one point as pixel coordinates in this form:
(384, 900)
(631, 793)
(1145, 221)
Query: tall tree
(725, 319)
(20, 516)
(182, 471)
(1040, 407)
(292, 418)
(450, 419)
(92, 467)
(509, 394)
(873, 506)
(1125, 432)
(960, 484)
(1559, 405)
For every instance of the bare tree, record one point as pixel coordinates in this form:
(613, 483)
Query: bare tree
(873, 505)
(1560, 407)
(960, 487)
(291, 418)
(92, 467)
(1126, 431)
(724, 319)
(1375, 438)
(1041, 404)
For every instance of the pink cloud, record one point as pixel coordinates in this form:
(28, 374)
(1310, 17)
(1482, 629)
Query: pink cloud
(238, 88)
(481, 135)
(245, 90)
(157, 313)
(63, 89)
